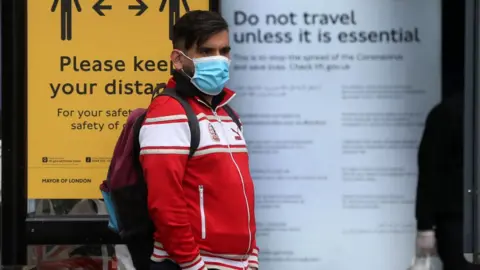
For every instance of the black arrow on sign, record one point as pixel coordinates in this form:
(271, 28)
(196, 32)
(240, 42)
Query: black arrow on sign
(98, 7)
(142, 7)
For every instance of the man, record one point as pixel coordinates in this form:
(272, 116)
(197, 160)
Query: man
(439, 203)
(203, 207)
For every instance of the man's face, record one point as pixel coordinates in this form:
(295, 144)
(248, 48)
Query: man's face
(218, 44)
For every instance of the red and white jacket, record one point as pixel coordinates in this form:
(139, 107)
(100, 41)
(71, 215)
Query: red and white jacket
(203, 207)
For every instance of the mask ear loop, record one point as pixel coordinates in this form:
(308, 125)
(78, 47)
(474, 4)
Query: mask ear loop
(182, 70)
(185, 74)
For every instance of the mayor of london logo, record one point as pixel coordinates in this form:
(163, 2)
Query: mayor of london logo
(213, 133)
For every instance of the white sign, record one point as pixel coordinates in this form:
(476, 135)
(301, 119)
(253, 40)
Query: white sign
(334, 95)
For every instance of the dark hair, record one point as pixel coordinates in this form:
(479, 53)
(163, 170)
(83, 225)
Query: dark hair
(196, 27)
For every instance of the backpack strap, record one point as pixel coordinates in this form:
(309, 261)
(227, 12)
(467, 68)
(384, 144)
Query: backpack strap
(191, 117)
(233, 115)
(137, 125)
(158, 90)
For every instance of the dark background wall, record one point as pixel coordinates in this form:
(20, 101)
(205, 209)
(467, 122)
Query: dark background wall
(453, 46)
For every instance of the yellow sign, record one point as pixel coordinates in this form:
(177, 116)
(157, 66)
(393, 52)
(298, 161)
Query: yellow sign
(89, 63)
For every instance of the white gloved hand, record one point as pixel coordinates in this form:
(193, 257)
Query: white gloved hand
(426, 243)
(424, 263)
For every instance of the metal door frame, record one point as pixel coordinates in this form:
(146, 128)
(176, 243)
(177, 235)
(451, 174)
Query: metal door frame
(471, 132)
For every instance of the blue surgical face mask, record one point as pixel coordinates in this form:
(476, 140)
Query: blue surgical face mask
(211, 74)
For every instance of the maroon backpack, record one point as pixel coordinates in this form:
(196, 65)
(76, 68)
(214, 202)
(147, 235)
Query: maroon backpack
(125, 191)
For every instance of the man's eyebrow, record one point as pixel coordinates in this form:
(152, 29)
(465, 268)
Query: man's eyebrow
(205, 48)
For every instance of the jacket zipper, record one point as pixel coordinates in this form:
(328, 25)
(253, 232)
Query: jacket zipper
(202, 212)
(243, 182)
(214, 111)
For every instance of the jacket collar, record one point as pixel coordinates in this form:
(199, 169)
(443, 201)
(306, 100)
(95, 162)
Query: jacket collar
(185, 88)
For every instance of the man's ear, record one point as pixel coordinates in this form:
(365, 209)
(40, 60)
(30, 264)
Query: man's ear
(176, 58)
